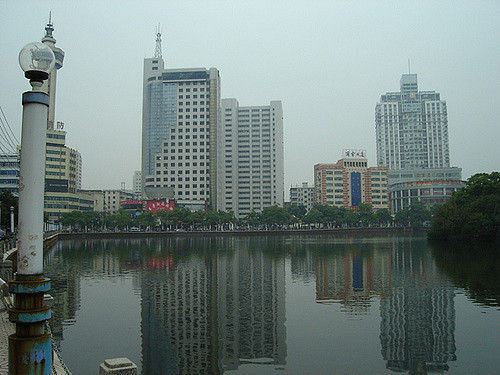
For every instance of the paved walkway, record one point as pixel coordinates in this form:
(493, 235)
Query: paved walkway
(6, 329)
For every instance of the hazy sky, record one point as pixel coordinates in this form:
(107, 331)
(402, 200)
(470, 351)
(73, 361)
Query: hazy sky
(327, 61)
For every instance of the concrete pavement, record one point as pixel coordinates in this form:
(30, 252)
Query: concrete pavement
(6, 329)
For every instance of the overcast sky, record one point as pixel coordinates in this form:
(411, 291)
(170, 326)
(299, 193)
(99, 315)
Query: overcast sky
(327, 61)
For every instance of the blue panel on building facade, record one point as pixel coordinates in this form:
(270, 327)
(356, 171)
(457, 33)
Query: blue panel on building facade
(355, 189)
(357, 274)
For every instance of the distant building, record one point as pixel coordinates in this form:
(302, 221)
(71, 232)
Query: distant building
(137, 183)
(9, 173)
(350, 182)
(412, 128)
(49, 85)
(181, 112)
(430, 186)
(412, 141)
(302, 195)
(250, 157)
(63, 178)
(63, 165)
(114, 198)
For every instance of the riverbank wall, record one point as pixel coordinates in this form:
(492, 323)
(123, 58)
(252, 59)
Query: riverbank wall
(334, 232)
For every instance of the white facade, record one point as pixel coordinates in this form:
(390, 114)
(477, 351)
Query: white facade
(9, 173)
(302, 196)
(250, 157)
(181, 109)
(113, 198)
(137, 183)
(412, 128)
(49, 86)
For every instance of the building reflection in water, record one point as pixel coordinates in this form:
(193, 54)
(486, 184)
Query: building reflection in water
(251, 307)
(65, 289)
(210, 305)
(417, 331)
(352, 273)
(207, 314)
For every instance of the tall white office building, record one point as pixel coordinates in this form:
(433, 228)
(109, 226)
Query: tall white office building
(181, 110)
(412, 128)
(250, 157)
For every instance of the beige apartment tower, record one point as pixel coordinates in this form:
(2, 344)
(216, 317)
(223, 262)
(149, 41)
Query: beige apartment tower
(250, 157)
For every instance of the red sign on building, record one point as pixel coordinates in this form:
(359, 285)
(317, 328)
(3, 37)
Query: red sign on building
(160, 205)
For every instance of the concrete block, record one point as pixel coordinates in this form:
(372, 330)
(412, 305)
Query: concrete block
(118, 366)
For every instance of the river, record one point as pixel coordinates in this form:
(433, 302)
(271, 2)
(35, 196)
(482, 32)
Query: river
(292, 304)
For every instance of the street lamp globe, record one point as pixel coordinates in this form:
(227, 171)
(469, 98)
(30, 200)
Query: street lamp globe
(37, 61)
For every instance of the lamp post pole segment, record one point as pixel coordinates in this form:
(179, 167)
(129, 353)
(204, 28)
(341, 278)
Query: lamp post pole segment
(12, 220)
(30, 347)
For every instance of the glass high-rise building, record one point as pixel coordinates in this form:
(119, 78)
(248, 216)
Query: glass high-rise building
(181, 110)
(412, 128)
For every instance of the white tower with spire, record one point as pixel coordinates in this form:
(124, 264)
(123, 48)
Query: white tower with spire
(50, 84)
(180, 119)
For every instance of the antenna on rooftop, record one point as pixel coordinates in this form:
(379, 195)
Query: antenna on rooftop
(409, 70)
(158, 43)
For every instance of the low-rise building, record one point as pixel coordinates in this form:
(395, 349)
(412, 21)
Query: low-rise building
(350, 182)
(58, 203)
(302, 195)
(113, 199)
(428, 185)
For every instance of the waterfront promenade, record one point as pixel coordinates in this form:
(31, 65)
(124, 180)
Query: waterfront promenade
(6, 329)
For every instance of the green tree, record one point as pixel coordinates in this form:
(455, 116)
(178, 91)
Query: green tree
(415, 215)
(472, 213)
(402, 217)
(275, 215)
(383, 216)
(120, 220)
(252, 219)
(349, 217)
(92, 218)
(73, 218)
(297, 210)
(226, 217)
(365, 214)
(331, 214)
(146, 219)
(419, 214)
(314, 216)
(197, 218)
(178, 216)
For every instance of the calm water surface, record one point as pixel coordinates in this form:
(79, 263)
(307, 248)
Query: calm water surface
(292, 305)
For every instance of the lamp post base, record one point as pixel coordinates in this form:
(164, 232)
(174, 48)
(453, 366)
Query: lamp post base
(30, 347)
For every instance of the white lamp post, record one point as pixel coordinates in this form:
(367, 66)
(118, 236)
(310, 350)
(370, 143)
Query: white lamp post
(30, 348)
